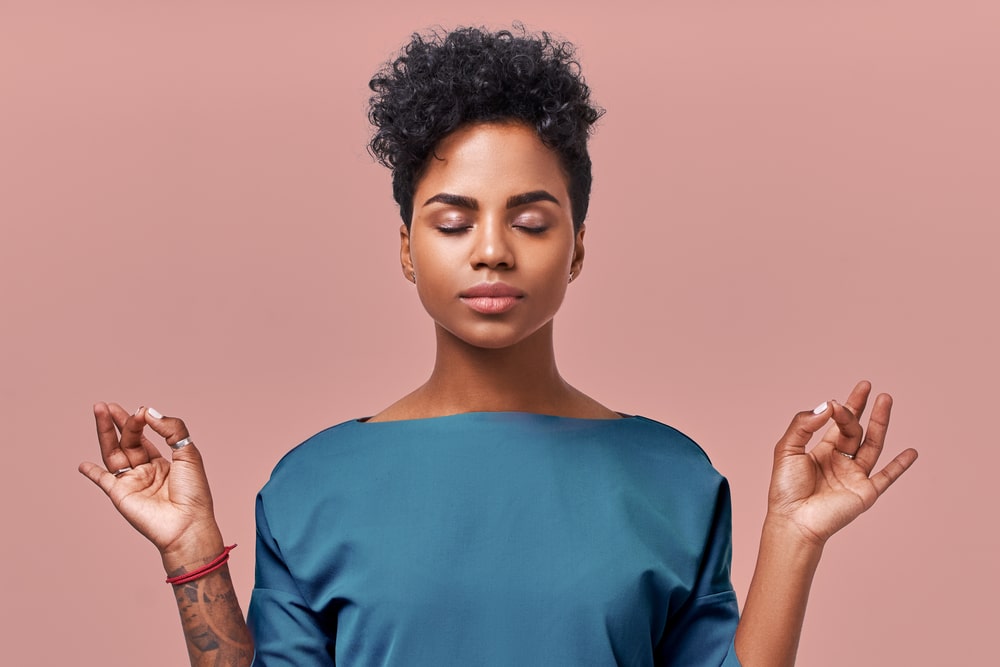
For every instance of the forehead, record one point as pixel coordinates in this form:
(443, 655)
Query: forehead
(492, 158)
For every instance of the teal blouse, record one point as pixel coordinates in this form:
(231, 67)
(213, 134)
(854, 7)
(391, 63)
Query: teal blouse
(494, 538)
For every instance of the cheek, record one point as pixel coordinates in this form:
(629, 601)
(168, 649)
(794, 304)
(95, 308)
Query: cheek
(550, 275)
(551, 263)
(436, 272)
(435, 260)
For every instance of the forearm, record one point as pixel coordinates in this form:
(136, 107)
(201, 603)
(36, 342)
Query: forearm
(771, 624)
(214, 627)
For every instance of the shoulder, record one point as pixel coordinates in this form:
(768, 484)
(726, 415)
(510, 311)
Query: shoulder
(352, 452)
(321, 445)
(668, 454)
(660, 434)
(650, 439)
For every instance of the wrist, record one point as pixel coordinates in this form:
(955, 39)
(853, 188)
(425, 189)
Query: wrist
(793, 538)
(192, 550)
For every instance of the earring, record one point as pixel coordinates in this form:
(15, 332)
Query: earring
(571, 277)
(413, 277)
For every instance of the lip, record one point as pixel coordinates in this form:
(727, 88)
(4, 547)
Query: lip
(492, 290)
(491, 298)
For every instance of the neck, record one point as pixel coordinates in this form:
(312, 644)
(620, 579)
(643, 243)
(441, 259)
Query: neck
(522, 377)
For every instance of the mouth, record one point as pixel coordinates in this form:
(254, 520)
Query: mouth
(491, 298)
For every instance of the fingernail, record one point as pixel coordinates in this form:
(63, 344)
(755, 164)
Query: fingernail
(137, 411)
(153, 413)
(821, 408)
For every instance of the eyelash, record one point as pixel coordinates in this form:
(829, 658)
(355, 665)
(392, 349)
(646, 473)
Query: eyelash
(453, 230)
(531, 230)
(527, 223)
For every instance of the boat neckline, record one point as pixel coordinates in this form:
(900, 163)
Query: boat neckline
(622, 417)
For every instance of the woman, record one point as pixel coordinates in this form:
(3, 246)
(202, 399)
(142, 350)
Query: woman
(494, 515)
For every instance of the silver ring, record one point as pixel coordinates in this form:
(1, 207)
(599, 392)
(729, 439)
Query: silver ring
(846, 455)
(120, 472)
(180, 444)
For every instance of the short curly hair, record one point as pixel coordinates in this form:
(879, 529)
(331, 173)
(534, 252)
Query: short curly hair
(442, 81)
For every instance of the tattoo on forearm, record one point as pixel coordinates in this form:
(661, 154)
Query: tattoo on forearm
(213, 622)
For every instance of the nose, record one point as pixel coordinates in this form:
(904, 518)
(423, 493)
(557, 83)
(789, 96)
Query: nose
(491, 246)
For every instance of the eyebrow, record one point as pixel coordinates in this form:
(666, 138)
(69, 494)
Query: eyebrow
(531, 198)
(460, 201)
(472, 204)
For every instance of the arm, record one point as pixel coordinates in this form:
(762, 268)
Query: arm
(169, 503)
(813, 495)
(701, 631)
(288, 631)
(211, 617)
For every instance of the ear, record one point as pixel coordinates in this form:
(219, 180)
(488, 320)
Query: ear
(404, 254)
(577, 264)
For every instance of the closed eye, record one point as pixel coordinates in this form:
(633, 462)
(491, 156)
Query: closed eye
(530, 223)
(532, 229)
(453, 230)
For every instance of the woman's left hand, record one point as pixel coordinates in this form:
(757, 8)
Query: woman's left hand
(822, 490)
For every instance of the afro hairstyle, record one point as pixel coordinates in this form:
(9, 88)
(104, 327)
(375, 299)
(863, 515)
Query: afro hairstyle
(442, 81)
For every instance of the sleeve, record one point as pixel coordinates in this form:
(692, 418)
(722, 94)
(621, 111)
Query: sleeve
(285, 630)
(702, 632)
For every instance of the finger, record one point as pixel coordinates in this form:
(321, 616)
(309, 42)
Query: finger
(131, 442)
(849, 429)
(855, 403)
(111, 453)
(172, 429)
(98, 475)
(858, 398)
(801, 429)
(884, 478)
(121, 416)
(878, 425)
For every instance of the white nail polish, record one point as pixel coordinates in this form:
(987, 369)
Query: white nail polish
(820, 408)
(153, 413)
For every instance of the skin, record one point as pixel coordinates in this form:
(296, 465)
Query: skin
(813, 494)
(169, 503)
(465, 232)
(479, 217)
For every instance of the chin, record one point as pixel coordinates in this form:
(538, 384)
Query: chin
(491, 342)
(491, 335)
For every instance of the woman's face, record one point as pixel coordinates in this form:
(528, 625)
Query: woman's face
(491, 243)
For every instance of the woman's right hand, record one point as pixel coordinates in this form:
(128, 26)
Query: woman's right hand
(168, 501)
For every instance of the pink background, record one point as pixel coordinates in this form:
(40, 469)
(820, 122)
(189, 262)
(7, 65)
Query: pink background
(787, 198)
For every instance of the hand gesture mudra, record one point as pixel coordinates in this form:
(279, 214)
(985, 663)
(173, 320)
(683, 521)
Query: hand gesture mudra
(822, 490)
(167, 501)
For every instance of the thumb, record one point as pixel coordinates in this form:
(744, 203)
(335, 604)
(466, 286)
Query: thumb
(800, 431)
(175, 432)
(189, 481)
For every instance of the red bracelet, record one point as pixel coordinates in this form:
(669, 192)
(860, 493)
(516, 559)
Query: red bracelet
(202, 571)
